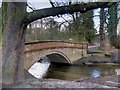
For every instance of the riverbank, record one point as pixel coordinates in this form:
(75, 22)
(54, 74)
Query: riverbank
(110, 82)
(86, 83)
(96, 59)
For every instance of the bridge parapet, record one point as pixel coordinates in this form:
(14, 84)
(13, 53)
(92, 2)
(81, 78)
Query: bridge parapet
(50, 45)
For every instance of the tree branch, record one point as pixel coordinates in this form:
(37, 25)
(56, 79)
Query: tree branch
(30, 7)
(65, 19)
(52, 4)
(83, 7)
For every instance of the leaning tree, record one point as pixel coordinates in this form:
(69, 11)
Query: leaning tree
(15, 19)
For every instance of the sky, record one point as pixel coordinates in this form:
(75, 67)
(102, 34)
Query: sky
(39, 4)
(0, 2)
(46, 4)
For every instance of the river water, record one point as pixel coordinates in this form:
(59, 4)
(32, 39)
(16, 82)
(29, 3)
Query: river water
(47, 70)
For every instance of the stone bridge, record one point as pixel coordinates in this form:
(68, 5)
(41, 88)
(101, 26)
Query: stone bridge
(55, 51)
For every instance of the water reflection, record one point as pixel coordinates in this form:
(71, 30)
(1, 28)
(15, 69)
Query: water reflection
(117, 71)
(96, 73)
(39, 68)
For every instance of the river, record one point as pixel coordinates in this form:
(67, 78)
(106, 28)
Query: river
(45, 69)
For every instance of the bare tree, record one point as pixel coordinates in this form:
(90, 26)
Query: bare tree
(15, 21)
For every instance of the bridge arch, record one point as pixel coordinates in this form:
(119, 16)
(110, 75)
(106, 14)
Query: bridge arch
(57, 56)
(54, 55)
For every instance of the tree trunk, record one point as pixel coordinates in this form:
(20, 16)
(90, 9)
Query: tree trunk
(101, 31)
(13, 42)
(112, 25)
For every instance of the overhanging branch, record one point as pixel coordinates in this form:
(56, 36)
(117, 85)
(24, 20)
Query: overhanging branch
(82, 7)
